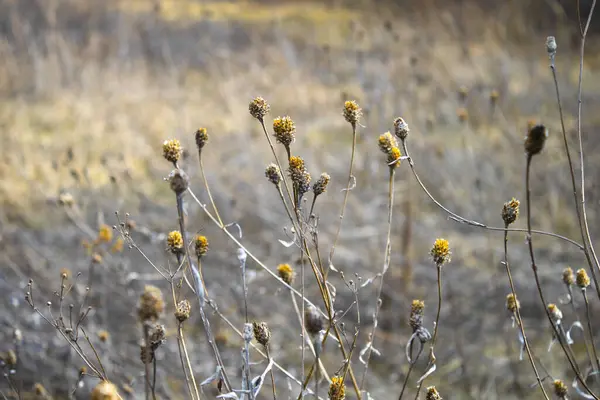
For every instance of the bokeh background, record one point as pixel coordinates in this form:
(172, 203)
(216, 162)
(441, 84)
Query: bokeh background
(90, 89)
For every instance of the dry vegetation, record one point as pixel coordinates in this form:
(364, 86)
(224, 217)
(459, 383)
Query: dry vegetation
(91, 90)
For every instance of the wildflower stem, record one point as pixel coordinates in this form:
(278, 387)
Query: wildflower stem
(517, 313)
(534, 267)
(146, 364)
(212, 202)
(271, 372)
(587, 346)
(463, 220)
(346, 194)
(386, 264)
(588, 318)
(410, 369)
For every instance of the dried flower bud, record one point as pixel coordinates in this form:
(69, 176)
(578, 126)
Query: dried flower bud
(313, 321)
(66, 199)
(387, 142)
(535, 140)
(262, 333)
(440, 252)
(568, 277)
(273, 174)
(201, 245)
(172, 150)
(259, 108)
(105, 391)
(555, 313)
(512, 303)
(510, 211)
(179, 181)
(299, 175)
(183, 310)
(157, 336)
(560, 389)
(416, 314)
(9, 358)
(151, 304)
(286, 273)
(285, 130)
(432, 394)
(103, 336)
(583, 280)
(201, 138)
(401, 128)
(494, 96)
(105, 234)
(337, 389)
(41, 392)
(462, 114)
(96, 258)
(320, 186)
(551, 46)
(352, 112)
(463, 92)
(175, 242)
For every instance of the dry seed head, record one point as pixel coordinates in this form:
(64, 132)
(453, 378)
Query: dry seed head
(273, 174)
(157, 336)
(151, 304)
(103, 336)
(65, 273)
(583, 280)
(105, 234)
(172, 150)
(337, 389)
(494, 96)
(262, 333)
(179, 181)
(313, 321)
(416, 314)
(560, 389)
(259, 108)
(40, 390)
(175, 242)
(303, 184)
(512, 303)
(393, 158)
(96, 258)
(387, 142)
(555, 313)
(568, 277)
(66, 199)
(462, 114)
(286, 273)
(320, 185)
(352, 112)
(201, 245)
(201, 138)
(510, 211)
(463, 92)
(10, 358)
(432, 394)
(535, 140)
(551, 46)
(105, 391)
(440, 252)
(183, 310)
(401, 128)
(285, 130)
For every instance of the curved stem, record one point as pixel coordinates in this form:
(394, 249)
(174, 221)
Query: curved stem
(210, 198)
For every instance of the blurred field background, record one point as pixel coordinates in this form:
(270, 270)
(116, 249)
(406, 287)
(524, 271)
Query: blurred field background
(90, 89)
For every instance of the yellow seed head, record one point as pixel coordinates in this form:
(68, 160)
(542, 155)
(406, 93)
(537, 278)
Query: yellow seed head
(393, 158)
(352, 112)
(9, 358)
(65, 273)
(337, 389)
(172, 150)
(259, 108)
(151, 304)
(285, 130)
(568, 277)
(494, 96)
(555, 313)
(510, 211)
(583, 280)
(387, 142)
(175, 242)
(440, 252)
(201, 245)
(117, 246)
(103, 336)
(512, 303)
(105, 391)
(40, 390)
(560, 389)
(432, 394)
(286, 273)
(105, 234)
(201, 138)
(96, 258)
(183, 310)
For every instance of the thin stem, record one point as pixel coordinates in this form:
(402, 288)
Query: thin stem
(386, 264)
(346, 194)
(271, 372)
(154, 378)
(585, 339)
(588, 317)
(146, 363)
(212, 202)
(410, 369)
(519, 319)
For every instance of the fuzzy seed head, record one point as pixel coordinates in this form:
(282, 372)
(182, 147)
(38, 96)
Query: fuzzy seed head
(105, 234)
(440, 252)
(105, 391)
(285, 130)
(175, 242)
(201, 138)
(320, 186)
(157, 336)
(401, 128)
(259, 108)
(568, 277)
(416, 314)
(512, 303)
(299, 175)
(286, 273)
(172, 150)
(151, 304)
(201, 245)
(352, 112)
(560, 389)
(535, 140)
(583, 280)
(337, 389)
(433, 394)
(179, 181)
(262, 333)
(555, 313)
(510, 211)
(551, 46)
(313, 321)
(183, 310)
(387, 142)
(273, 174)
